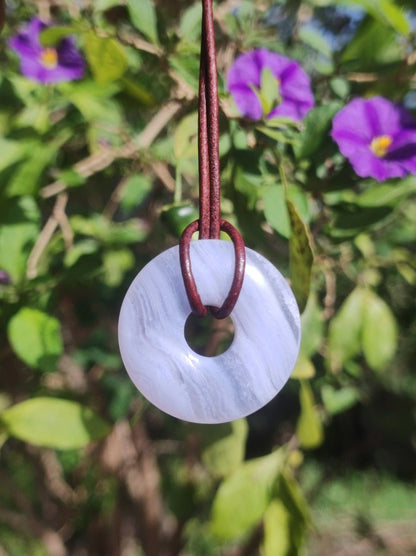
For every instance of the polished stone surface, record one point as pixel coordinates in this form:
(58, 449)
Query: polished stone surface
(209, 389)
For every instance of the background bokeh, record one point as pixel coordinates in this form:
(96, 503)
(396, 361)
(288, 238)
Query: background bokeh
(99, 174)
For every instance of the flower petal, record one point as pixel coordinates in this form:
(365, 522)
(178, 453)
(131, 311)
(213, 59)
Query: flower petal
(247, 102)
(363, 120)
(294, 84)
(70, 64)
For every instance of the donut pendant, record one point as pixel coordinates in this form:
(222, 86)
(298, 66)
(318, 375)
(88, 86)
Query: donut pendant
(194, 387)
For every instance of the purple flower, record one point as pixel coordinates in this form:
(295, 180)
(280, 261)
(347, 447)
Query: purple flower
(294, 95)
(4, 277)
(378, 138)
(46, 64)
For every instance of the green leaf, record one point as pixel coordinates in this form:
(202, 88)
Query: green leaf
(337, 401)
(379, 332)
(384, 11)
(185, 139)
(275, 209)
(103, 5)
(309, 427)
(269, 91)
(344, 339)
(340, 87)
(317, 123)
(190, 23)
(187, 67)
(109, 233)
(11, 152)
(389, 193)
(79, 249)
(374, 45)
(349, 219)
(243, 497)
(26, 180)
(286, 519)
(300, 256)
(312, 327)
(135, 190)
(139, 92)
(36, 338)
(34, 115)
(276, 539)
(51, 36)
(143, 16)
(290, 493)
(115, 264)
(316, 40)
(54, 423)
(106, 57)
(304, 368)
(94, 100)
(71, 178)
(226, 454)
(19, 226)
(249, 183)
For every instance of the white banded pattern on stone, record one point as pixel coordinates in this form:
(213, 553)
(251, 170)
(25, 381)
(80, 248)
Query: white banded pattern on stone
(203, 389)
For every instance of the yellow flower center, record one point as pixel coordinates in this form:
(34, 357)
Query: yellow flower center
(380, 145)
(49, 58)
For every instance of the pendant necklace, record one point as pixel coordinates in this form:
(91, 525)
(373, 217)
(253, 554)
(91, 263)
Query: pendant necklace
(216, 275)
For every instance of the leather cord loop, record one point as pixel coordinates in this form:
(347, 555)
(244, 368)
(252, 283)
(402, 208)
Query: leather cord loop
(210, 222)
(194, 298)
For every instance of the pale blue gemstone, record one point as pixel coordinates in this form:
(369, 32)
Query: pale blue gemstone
(209, 389)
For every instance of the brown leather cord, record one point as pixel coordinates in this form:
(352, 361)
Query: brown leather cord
(210, 222)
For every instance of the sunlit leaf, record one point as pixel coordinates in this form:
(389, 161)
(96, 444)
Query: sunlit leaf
(185, 139)
(304, 368)
(385, 11)
(53, 422)
(26, 178)
(275, 208)
(373, 46)
(344, 339)
(315, 39)
(300, 257)
(387, 194)
(106, 57)
(379, 332)
(187, 67)
(135, 190)
(243, 497)
(36, 338)
(276, 541)
(19, 226)
(339, 400)
(143, 16)
(312, 327)
(316, 126)
(11, 152)
(115, 265)
(79, 249)
(269, 91)
(225, 455)
(51, 36)
(309, 427)
(190, 23)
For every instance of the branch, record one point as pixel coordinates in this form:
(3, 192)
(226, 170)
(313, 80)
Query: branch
(26, 525)
(57, 218)
(129, 455)
(104, 157)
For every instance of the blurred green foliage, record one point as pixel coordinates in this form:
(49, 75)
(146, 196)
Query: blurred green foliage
(97, 176)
